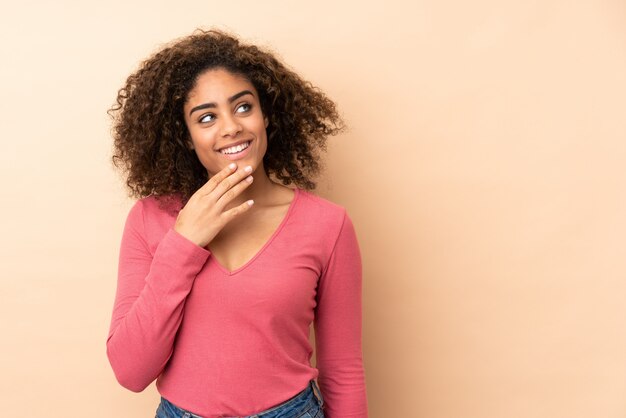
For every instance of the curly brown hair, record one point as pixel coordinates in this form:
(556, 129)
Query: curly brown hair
(151, 138)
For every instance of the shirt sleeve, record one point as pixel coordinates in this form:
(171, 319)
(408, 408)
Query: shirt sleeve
(338, 329)
(149, 301)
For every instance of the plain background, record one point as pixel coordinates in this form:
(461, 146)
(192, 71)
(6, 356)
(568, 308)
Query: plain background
(484, 173)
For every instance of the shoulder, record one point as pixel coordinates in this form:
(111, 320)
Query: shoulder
(320, 210)
(156, 206)
(152, 216)
(321, 217)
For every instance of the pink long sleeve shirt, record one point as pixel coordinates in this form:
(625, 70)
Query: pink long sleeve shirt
(233, 343)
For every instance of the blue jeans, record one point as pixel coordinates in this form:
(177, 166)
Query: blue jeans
(307, 404)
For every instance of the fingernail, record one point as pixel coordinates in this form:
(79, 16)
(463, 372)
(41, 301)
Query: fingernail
(249, 179)
(232, 166)
(250, 202)
(248, 169)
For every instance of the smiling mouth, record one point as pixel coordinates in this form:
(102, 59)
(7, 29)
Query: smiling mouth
(235, 149)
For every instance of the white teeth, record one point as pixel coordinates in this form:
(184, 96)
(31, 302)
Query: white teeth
(235, 149)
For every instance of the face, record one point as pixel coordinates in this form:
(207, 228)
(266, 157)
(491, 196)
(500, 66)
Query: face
(224, 118)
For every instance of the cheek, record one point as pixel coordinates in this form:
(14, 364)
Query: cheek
(265, 141)
(202, 139)
(203, 147)
(263, 145)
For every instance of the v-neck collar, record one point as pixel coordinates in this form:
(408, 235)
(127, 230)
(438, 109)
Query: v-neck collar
(292, 204)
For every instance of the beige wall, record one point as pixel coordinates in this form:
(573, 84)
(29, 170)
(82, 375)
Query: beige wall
(484, 172)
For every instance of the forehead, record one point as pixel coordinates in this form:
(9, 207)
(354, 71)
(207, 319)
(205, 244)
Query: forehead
(217, 85)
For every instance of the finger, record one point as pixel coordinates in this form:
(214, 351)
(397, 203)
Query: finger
(231, 181)
(233, 192)
(215, 180)
(237, 210)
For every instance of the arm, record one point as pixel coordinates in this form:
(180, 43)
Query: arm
(338, 330)
(149, 301)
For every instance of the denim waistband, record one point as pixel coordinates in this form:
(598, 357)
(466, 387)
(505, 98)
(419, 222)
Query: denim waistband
(311, 389)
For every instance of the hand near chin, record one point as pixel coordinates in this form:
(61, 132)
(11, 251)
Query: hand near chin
(203, 217)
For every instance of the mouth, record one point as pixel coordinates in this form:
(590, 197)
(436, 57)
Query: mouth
(233, 152)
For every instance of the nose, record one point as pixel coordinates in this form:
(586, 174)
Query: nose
(230, 126)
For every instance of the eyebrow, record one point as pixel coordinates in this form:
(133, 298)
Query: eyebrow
(230, 100)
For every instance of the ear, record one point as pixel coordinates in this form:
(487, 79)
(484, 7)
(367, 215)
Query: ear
(267, 122)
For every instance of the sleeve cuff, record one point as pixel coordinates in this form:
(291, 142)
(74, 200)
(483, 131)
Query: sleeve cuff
(176, 245)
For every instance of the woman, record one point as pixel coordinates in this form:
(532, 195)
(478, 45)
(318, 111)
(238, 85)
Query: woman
(222, 268)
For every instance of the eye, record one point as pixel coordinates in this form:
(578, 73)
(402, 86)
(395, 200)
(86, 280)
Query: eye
(243, 108)
(205, 118)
